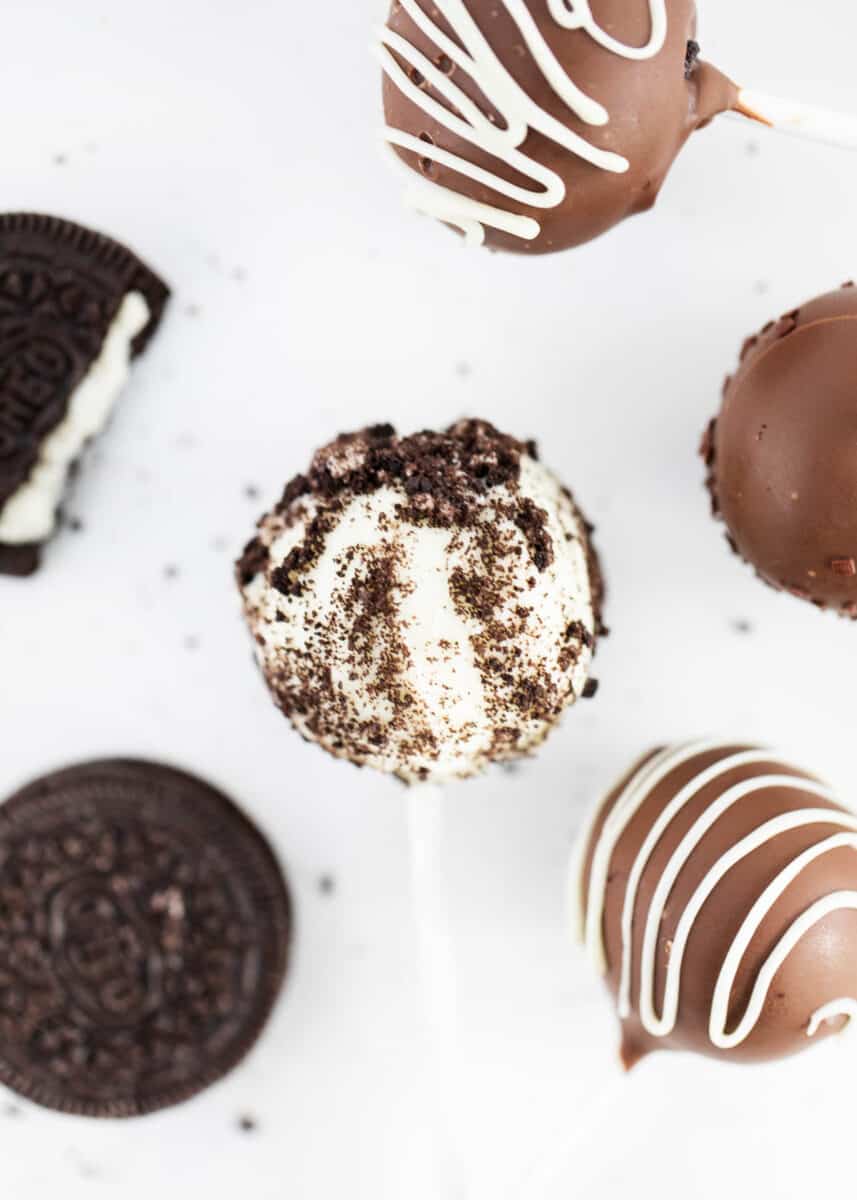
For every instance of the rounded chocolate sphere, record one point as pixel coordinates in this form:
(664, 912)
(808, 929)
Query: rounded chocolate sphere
(782, 455)
(717, 893)
(536, 127)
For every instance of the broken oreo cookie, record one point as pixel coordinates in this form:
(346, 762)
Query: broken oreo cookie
(144, 936)
(75, 308)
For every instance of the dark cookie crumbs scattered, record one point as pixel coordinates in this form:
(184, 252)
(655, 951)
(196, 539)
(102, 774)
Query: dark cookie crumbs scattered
(287, 577)
(444, 466)
(532, 522)
(252, 561)
(577, 632)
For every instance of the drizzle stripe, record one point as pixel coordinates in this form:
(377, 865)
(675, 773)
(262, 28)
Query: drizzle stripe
(765, 833)
(815, 913)
(519, 112)
(637, 791)
(633, 797)
(576, 14)
(684, 797)
(844, 1007)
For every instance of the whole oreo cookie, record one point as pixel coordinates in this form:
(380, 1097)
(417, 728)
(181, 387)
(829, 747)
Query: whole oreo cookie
(75, 307)
(144, 937)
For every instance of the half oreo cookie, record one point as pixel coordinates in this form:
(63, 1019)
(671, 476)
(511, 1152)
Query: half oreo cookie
(75, 308)
(144, 936)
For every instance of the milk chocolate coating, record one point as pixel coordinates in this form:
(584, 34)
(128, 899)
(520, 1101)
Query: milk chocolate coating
(782, 455)
(821, 968)
(654, 107)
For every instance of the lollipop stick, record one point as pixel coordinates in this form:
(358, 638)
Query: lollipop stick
(437, 978)
(800, 120)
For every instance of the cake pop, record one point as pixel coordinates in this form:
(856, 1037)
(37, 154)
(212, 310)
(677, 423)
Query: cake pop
(424, 605)
(782, 455)
(717, 893)
(535, 127)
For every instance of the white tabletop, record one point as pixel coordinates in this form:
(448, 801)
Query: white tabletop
(234, 145)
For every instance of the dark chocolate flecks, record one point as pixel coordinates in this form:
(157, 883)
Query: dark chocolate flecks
(341, 664)
(446, 467)
(532, 522)
(252, 561)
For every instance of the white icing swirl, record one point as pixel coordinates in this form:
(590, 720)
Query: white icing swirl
(519, 112)
(636, 792)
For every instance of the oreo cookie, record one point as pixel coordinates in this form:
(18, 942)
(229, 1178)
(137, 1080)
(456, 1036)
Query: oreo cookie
(145, 929)
(61, 290)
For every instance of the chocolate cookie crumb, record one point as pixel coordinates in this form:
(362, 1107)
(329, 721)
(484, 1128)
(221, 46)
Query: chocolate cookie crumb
(252, 561)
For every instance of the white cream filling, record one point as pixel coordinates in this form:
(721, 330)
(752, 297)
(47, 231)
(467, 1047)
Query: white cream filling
(30, 513)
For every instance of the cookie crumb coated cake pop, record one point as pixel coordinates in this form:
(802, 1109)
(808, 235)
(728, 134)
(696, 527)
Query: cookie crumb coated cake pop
(424, 605)
(782, 454)
(536, 127)
(716, 890)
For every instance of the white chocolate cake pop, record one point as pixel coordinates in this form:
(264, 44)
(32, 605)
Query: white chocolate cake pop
(424, 605)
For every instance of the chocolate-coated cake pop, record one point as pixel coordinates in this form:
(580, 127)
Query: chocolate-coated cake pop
(717, 892)
(782, 455)
(536, 126)
(424, 605)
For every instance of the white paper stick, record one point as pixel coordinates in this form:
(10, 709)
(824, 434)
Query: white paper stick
(438, 987)
(800, 120)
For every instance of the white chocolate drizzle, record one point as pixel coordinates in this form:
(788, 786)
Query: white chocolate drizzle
(591, 913)
(845, 1007)
(471, 52)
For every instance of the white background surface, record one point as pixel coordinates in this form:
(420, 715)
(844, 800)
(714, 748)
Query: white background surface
(233, 146)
